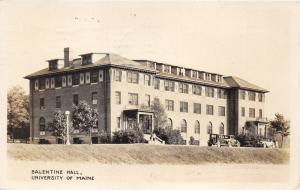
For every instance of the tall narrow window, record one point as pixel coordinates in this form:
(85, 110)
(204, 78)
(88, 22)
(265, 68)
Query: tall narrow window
(169, 85)
(183, 126)
(169, 105)
(42, 84)
(42, 124)
(58, 102)
(197, 127)
(132, 77)
(243, 111)
(81, 78)
(221, 129)
(260, 113)
(260, 97)
(118, 75)
(58, 82)
(197, 90)
(147, 80)
(94, 98)
(118, 122)
(251, 96)
(209, 92)
(209, 128)
(42, 103)
(221, 110)
(156, 83)
(242, 94)
(251, 112)
(184, 107)
(133, 98)
(95, 77)
(209, 110)
(197, 108)
(76, 79)
(183, 88)
(147, 100)
(75, 99)
(118, 97)
(221, 93)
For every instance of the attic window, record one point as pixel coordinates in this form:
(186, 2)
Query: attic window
(86, 59)
(52, 65)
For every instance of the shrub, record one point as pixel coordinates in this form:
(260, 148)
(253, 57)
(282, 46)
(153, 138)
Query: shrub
(104, 137)
(128, 136)
(169, 135)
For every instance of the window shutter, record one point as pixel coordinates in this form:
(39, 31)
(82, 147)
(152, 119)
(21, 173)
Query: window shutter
(81, 78)
(87, 77)
(52, 83)
(36, 84)
(47, 83)
(64, 81)
(69, 80)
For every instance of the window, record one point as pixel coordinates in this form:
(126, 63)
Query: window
(243, 111)
(132, 77)
(251, 96)
(183, 126)
(260, 132)
(197, 108)
(94, 98)
(42, 103)
(42, 124)
(260, 113)
(156, 83)
(209, 92)
(64, 81)
(209, 128)
(75, 99)
(118, 75)
(118, 122)
(147, 80)
(47, 83)
(242, 94)
(251, 112)
(95, 77)
(87, 77)
(147, 100)
(184, 107)
(101, 75)
(197, 89)
(41, 84)
(183, 88)
(201, 75)
(209, 110)
(133, 98)
(169, 85)
(221, 94)
(58, 82)
(194, 74)
(58, 102)
(36, 85)
(260, 97)
(221, 110)
(118, 97)
(169, 123)
(69, 80)
(75, 79)
(221, 129)
(170, 105)
(86, 59)
(167, 68)
(52, 83)
(207, 76)
(197, 127)
(81, 78)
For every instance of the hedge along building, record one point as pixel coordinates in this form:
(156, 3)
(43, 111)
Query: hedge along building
(196, 102)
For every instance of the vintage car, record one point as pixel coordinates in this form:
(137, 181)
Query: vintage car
(223, 140)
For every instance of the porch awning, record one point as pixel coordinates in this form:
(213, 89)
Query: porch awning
(135, 111)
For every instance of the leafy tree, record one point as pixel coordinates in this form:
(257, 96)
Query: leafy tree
(160, 116)
(17, 110)
(169, 135)
(59, 124)
(281, 126)
(84, 117)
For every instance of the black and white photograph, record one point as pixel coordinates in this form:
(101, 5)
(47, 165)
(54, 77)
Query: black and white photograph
(149, 95)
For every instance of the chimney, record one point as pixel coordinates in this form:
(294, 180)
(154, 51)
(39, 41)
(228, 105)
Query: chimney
(66, 57)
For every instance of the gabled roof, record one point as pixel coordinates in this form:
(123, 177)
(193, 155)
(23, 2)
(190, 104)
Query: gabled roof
(236, 82)
(107, 60)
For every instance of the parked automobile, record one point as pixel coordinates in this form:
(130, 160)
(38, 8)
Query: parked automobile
(252, 141)
(223, 140)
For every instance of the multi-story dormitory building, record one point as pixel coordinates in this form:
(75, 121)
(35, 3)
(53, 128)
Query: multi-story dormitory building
(197, 102)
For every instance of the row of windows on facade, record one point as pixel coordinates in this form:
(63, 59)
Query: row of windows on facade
(186, 72)
(251, 112)
(251, 95)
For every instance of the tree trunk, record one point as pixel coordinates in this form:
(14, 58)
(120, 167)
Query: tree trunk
(281, 141)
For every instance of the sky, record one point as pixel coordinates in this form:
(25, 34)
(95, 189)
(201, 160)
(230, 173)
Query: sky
(258, 42)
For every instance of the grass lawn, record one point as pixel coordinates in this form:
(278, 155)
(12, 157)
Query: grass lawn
(146, 154)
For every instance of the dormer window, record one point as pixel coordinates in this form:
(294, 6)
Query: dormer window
(194, 74)
(53, 64)
(86, 59)
(167, 68)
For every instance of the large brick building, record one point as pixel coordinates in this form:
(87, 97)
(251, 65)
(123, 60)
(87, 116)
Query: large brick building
(197, 102)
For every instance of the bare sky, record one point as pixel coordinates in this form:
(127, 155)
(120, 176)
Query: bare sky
(257, 42)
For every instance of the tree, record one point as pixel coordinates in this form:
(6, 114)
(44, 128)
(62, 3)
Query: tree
(281, 126)
(17, 110)
(84, 117)
(59, 124)
(160, 116)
